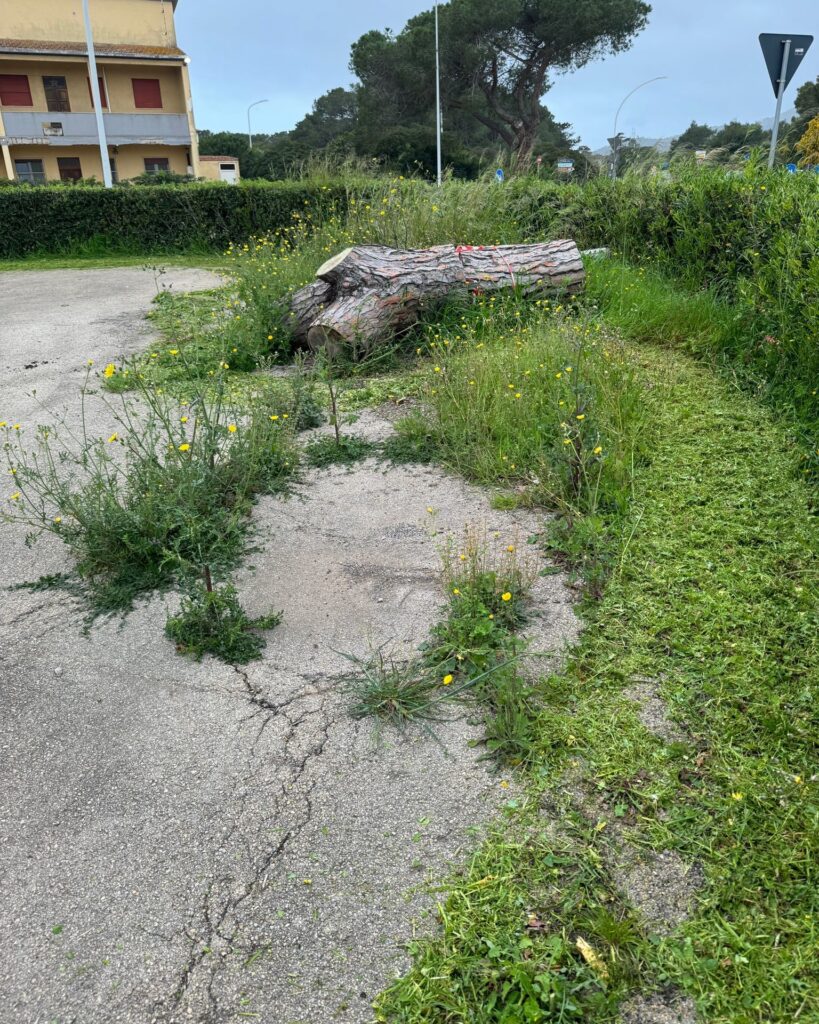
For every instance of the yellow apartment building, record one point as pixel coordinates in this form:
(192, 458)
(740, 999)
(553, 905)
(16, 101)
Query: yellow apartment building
(48, 127)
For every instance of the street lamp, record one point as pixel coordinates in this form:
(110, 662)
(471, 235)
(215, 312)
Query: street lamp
(249, 132)
(94, 83)
(438, 95)
(615, 146)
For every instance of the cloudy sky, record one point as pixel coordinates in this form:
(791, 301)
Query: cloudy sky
(291, 51)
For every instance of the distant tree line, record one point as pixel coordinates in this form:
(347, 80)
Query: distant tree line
(497, 59)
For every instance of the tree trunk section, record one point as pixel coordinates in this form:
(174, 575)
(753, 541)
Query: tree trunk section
(369, 293)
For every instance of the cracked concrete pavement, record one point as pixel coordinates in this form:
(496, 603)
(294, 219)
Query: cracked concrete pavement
(192, 842)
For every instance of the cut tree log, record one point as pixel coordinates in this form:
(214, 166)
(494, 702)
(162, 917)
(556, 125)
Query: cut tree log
(369, 293)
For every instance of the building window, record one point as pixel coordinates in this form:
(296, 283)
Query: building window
(69, 167)
(56, 92)
(147, 93)
(31, 171)
(15, 91)
(114, 171)
(103, 97)
(157, 165)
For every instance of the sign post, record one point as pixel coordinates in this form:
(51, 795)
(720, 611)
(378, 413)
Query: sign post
(783, 55)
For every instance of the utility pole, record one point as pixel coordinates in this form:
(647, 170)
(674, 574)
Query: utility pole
(786, 56)
(249, 132)
(438, 96)
(95, 96)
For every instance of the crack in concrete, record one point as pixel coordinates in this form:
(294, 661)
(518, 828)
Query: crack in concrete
(214, 910)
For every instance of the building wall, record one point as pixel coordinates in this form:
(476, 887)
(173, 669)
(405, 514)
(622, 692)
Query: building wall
(114, 21)
(210, 171)
(117, 76)
(130, 160)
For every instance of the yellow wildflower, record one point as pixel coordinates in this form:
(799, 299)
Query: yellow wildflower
(232, 428)
(448, 680)
(58, 519)
(15, 496)
(598, 450)
(112, 438)
(506, 597)
(109, 370)
(183, 419)
(184, 447)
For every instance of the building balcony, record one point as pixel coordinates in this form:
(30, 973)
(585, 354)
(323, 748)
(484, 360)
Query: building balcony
(67, 129)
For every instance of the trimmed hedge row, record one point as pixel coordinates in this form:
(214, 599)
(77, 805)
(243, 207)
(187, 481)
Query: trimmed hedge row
(153, 218)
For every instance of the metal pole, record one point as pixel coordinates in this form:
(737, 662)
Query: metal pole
(786, 56)
(438, 96)
(95, 96)
(659, 78)
(249, 133)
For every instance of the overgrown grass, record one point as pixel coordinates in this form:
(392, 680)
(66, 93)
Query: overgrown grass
(712, 593)
(643, 304)
(167, 493)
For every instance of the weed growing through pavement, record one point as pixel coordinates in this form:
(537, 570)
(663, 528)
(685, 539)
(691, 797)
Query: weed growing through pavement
(162, 495)
(211, 621)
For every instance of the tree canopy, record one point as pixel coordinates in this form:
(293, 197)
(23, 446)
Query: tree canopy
(497, 56)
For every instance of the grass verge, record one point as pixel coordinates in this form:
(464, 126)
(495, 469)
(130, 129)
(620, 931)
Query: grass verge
(711, 593)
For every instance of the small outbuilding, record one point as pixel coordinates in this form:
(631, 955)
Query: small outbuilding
(220, 168)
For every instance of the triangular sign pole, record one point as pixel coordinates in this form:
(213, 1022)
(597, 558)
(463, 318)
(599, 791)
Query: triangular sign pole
(783, 55)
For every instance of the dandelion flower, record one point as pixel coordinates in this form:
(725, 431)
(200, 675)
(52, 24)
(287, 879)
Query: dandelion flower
(184, 447)
(232, 428)
(448, 680)
(112, 438)
(506, 597)
(58, 519)
(456, 591)
(737, 796)
(16, 426)
(183, 419)
(274, 418)
(109, 370)
(598, 450)
(15, 496)
(581, 417)
(173, 351)
(511, 548)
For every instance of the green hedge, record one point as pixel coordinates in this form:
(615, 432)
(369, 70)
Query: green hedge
(153, 219)
(752, 239)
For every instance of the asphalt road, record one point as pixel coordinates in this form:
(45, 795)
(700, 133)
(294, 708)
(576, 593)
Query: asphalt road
(189, 842)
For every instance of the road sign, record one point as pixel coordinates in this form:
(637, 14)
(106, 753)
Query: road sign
(565, 166)
(773, 46)
(783, 55)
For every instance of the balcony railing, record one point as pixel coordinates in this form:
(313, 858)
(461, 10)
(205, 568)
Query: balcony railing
(67, 129)
(32, 177)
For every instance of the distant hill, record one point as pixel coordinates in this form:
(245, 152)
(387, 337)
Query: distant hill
(663, 145)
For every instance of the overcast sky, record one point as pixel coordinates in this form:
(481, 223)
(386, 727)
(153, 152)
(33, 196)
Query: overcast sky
(291, 51)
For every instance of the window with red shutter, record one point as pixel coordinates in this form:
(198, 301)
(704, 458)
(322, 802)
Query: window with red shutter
(103, 97)
(147, 93)
(15, 91)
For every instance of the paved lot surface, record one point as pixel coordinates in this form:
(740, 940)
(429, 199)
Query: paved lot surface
(190, 842)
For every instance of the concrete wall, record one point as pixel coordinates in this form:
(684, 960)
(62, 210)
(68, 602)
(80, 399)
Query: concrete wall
(113, 21)
(129, 159)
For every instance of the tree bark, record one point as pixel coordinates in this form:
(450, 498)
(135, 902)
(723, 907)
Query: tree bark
(369, 293)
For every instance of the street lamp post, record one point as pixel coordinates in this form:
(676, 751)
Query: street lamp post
(249, 132)
(438, 96)
(642, 85)
(94, 83)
